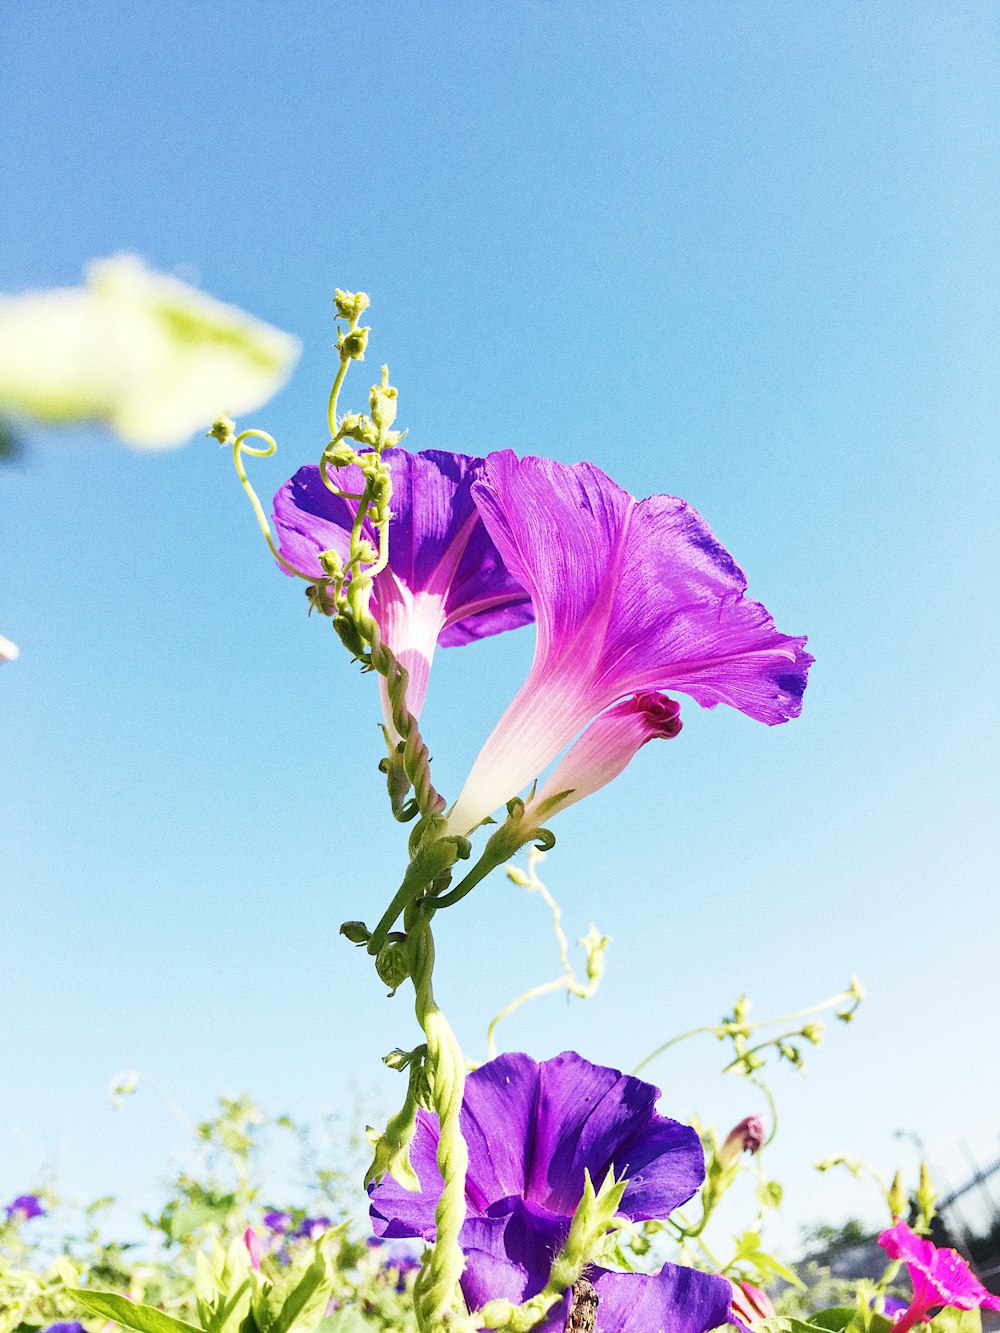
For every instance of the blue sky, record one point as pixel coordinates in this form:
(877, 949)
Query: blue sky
(742, 253)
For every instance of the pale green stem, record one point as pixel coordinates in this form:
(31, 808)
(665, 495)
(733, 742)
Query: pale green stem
(536, 992)
(239, 449)
(716, 1028)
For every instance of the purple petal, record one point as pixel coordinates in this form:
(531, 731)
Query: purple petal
(682, 1300)
(437, 543)
(508, 1256)
(698, 633)
(396, 1212)
(628, 596)
(597, 1118)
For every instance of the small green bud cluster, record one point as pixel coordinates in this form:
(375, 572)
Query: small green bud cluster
(223, 430)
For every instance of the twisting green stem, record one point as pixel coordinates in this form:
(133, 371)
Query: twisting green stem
(240, 447)
(436, 1290)
(594, 945)
(415, 757)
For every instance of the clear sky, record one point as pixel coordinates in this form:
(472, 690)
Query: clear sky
(744, 253)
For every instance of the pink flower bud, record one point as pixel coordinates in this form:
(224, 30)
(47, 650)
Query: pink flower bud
(750, 1304)
(747, 1136)
(606, 748)
(253, 1247)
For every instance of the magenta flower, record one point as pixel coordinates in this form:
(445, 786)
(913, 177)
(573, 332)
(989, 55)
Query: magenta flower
(446, 582)
(939, 1277)
(629, 596)
(532, 1130)
(25, 1207)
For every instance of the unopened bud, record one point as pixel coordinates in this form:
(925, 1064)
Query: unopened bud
(352, 345)
(813, 1032)
(747, 1136)
(392, 962)
(367, 552)
(223, 430)
(382, 399)
(926, 1193)
(251, 1241)
(397, 1059)
(750, 1304)
(331, 562)
(350, 305)
(355, 931)
(897, 1197)
(341, 454)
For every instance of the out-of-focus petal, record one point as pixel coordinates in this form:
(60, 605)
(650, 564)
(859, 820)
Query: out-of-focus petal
(9, 652)
(141, 352)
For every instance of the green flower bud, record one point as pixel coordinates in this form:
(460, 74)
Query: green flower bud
(352, 345)
(223, 430)
(382, 400)
(813, 1032)
(926, 1193)
(350, 305)
(397, 1059)
(367, 552)
(897, 1197)
(331, 562)
(354, 426)
(355, 931)
(392, 962)
(341, 454)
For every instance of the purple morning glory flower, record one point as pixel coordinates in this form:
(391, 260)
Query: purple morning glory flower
(532, 1130)
(446, 582)
(629, 596)
(26, 1206)
(66, 1326)
(277, 1221)
(311, 1227)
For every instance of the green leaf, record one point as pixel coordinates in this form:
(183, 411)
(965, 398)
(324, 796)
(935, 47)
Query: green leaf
(345, 1321)
(143, 1318)
(316, 1277)
(835, 1319)
(952, 1320)
(770, 1194)
(784, 1324)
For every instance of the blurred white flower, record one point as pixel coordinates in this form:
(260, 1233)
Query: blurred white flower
(9, 652)
(145, 354)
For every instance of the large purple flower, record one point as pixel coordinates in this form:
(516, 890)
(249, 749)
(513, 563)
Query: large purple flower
(532, 1130)
(446, 582)
(629, 596)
